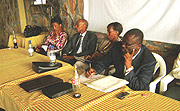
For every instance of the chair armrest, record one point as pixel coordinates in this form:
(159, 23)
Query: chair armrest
(152, 85)
(165, 81)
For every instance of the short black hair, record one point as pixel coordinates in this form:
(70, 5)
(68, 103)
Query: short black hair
(116, 26)
(137, 32)
(56, 19)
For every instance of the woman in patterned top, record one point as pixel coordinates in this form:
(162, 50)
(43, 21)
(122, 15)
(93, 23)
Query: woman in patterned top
(57, 37)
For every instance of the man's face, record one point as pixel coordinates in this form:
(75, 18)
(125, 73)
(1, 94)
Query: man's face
(111, 33)
(80, 26)
(130, 43)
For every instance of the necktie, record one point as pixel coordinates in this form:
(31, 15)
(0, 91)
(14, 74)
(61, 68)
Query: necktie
(78, 43)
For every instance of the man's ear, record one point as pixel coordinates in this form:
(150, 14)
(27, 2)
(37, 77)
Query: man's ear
(139, 46)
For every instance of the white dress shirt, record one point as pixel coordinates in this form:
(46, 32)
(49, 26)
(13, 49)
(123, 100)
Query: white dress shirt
(80, 47)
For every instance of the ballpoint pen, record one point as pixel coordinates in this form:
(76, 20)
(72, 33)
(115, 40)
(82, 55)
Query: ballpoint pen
(89, 65)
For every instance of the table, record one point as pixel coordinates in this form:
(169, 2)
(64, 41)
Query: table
(16, 63)
(23, 41)
(14, 98)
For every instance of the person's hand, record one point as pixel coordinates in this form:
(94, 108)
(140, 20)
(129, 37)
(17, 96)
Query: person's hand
(88, 57)
(67, 58)
(90, 72)
(128, 59)
(97, 55)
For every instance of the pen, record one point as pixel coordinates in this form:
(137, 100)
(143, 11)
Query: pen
(90, 69)
(89, 65)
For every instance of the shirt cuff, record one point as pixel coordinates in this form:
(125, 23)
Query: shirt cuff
(129, 70)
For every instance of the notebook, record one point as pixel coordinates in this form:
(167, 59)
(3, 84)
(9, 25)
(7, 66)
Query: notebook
(39, 83)
(40, 67)
(57, 90)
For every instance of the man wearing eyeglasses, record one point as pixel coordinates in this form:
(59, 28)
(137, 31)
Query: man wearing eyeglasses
(131, 59)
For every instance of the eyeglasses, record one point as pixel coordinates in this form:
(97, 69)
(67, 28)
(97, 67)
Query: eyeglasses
(129, 45)
(111, 31)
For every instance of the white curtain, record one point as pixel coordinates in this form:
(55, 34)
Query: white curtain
(158, 19)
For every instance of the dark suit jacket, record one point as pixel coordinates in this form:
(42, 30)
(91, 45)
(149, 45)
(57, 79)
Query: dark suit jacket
(88, 45)
(143, 64)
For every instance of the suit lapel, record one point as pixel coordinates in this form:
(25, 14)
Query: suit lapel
(75, 43)
(85, 40)
(137, 61)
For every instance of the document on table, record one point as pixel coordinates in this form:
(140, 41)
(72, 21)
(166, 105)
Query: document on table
(104, 83)
(85, 80)
(45, 47)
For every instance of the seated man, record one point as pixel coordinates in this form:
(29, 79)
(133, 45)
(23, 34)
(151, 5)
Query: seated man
(114, 29)
(131, 59)
(83, 43)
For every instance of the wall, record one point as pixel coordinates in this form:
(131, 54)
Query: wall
(69, 11)
(9, 20)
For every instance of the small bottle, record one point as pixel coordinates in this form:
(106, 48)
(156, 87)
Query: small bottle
(15, 40)
(76, 84)
(30, 49)
(60, 53)
(52, 56)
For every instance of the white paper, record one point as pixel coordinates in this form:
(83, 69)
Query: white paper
(45, 47)
(107, 84)
(85, 80)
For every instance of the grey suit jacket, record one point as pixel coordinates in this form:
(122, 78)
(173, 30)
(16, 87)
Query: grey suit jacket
(88, 44)
(143, 64)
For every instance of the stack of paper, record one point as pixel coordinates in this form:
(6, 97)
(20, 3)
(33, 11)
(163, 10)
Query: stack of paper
(106, 83)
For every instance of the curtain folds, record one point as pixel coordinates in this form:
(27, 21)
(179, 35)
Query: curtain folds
(158, 19)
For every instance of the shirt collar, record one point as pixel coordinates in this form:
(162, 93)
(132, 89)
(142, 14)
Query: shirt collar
(118, 39)
(136, 54)
(84, 33)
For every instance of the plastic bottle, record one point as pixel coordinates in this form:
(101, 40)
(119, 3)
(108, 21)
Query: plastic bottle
(76, 84)
(52, 56)
(30, 49)
(15, 40)
(60, 53)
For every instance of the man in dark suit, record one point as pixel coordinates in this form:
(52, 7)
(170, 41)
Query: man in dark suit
(82, 43)
(131, 59)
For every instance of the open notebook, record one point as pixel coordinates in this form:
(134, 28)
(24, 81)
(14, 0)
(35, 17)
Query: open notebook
(104, 83)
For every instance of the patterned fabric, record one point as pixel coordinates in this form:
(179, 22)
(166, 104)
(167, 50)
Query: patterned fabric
(92, 100)
(24, 42)
(104, 47)
(57, 41)
(15, 68)
(13, 98)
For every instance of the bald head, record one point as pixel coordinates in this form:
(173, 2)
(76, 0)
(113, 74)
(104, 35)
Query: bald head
(136, 34)
(83, 22)
(81, 25)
